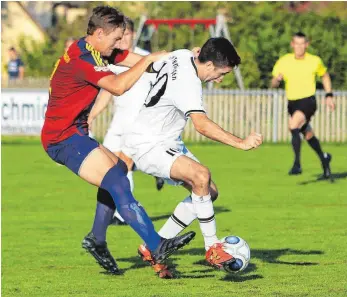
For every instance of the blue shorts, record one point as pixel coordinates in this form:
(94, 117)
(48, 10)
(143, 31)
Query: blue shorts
(72, 151)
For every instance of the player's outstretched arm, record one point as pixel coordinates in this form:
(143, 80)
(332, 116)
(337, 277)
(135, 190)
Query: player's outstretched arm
(101, 102)
(119, 84)
(211, 130)
(130, 60)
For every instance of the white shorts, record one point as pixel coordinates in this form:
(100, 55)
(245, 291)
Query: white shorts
(159, 160)
(114, 138)
(113, 141)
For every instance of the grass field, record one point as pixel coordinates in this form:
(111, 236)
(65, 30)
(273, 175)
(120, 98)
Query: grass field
(296, 228)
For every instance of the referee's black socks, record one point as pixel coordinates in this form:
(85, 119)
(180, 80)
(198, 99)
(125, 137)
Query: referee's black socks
(296, 143)
(314, 143)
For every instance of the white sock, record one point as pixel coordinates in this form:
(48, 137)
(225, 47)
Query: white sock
(131, 180)
(181, 218)
(204, 209)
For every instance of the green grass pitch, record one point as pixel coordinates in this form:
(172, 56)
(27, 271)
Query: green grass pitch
(296, 227)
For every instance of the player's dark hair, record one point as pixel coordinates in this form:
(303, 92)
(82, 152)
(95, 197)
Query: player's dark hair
(129, 24)
(105, 17)
(220, 52)
(301, 35)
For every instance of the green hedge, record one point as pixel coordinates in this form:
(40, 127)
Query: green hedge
(261, 31)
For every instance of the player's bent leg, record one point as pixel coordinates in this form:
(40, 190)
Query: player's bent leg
(117, 218)
(95, 166)
(199, 177)
(76, 152)
(314, 143)
(134, 215)
(296, 121)
(95, 241)
(184, 214)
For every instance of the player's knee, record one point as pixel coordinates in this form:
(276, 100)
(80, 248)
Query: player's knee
(202, 176)
(308, 135)
(293, 126)
(123, 166)
(117, 184)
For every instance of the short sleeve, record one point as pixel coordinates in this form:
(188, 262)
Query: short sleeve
(188, 96)
(277, 68)
(321, 69)
(87, 70)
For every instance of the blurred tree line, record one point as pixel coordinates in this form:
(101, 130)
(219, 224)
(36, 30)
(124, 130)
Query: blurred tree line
(261, 32)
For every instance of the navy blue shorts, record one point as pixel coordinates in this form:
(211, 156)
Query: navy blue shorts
(72, 151)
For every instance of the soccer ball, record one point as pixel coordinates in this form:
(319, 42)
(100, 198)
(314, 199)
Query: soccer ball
(239, 249)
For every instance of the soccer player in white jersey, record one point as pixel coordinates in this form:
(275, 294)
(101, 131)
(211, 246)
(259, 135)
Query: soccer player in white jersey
(154, 143)
(126, 108)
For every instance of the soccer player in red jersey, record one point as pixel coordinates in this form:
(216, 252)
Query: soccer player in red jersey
(75, 82)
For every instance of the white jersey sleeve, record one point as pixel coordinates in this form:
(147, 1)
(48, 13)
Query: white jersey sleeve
(189, 98)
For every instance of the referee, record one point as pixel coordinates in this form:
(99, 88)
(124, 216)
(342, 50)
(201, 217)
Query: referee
(299, 71)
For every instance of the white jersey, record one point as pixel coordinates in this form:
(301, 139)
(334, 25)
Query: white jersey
(128, 105)
(176, 93)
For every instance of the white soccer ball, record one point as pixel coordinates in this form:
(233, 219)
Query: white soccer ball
(239, 249)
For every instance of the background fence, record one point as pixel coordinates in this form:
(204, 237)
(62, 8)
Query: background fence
(264, 111)
(240, 112)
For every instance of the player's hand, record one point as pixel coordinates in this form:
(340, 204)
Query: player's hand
(252, 141)
(280, 77)
(196, 51)
(330, 102)
(154, 57)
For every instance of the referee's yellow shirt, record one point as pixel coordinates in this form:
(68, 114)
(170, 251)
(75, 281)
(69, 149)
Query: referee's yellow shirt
(299, 74)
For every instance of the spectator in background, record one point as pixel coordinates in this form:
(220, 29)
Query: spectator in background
(15, 66)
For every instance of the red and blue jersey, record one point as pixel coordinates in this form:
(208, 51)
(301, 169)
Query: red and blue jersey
(73, 90)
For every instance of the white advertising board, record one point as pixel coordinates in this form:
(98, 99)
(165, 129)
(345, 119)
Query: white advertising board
(23, 111)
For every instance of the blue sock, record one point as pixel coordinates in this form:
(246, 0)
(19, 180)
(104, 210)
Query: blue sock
(117, 184)
(103, 217)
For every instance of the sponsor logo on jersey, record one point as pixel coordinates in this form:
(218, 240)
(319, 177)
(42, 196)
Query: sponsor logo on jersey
(174, 66)
(101, 68)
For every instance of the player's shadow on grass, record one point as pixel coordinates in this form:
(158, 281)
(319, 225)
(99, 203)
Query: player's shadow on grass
(269, 256)
(332, 179)
(217, 209)
(203, 270)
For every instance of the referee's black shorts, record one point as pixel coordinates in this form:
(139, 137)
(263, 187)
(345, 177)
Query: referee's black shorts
(307, 106)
